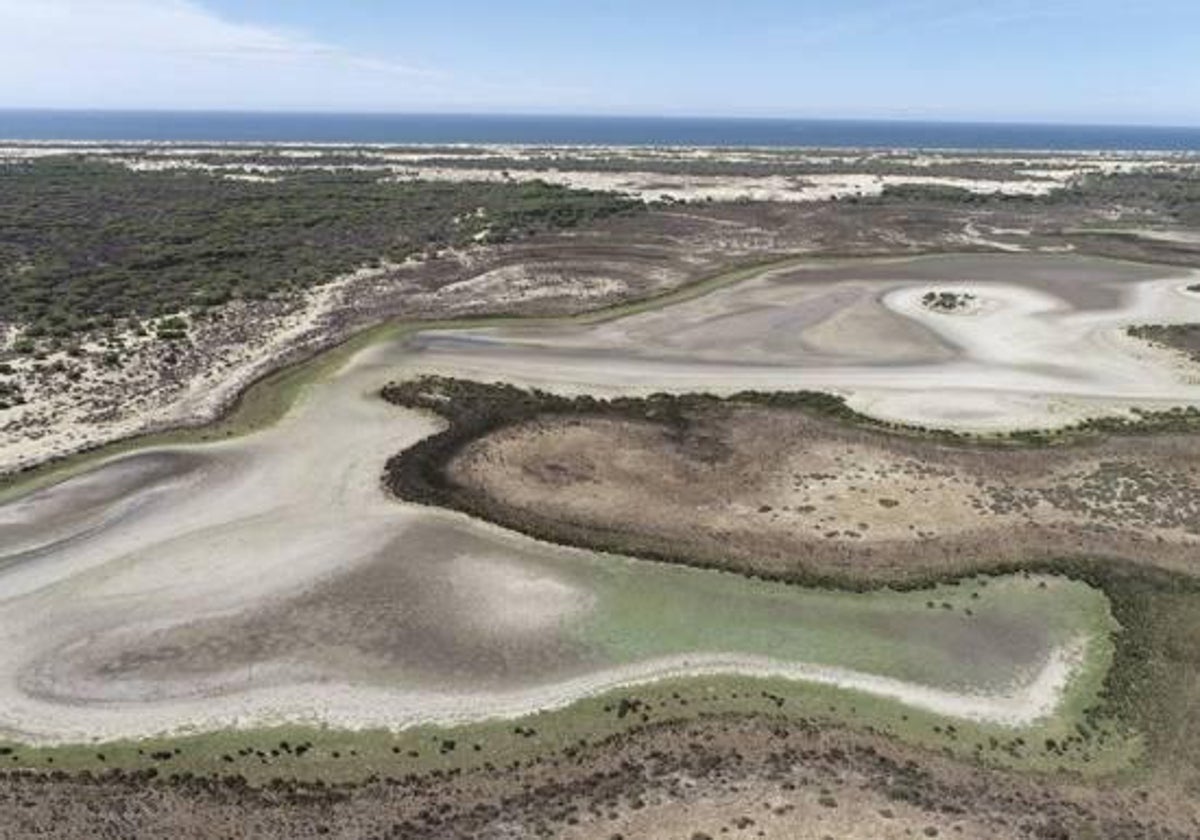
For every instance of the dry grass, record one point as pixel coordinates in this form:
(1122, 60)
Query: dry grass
(785, 493)
(720, 777)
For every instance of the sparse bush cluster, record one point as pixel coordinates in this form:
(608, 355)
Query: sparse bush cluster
(10, 394)
(947, 301)
(941, 193)
(173, 328)
(1182, 337)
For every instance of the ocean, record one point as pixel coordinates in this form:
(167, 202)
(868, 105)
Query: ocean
(214, 126)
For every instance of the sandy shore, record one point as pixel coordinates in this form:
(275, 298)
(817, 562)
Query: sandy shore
(357, 707)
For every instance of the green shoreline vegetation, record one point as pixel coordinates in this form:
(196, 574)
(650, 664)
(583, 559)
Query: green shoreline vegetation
(311, 753)
(1073, 740)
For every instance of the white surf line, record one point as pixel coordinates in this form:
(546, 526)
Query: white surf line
(355, 708)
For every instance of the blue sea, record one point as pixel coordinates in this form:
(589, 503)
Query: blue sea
(214, 126)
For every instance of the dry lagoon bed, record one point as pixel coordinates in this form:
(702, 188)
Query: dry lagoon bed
(236, 584)
(1042, 345)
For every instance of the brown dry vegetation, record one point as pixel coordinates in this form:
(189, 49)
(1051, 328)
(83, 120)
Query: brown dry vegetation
(721, 777)
(788, 494)
(799, 487)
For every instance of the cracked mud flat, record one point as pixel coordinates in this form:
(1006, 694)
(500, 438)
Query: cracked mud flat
(238, 584)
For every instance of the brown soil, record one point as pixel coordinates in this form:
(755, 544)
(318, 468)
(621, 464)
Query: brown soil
(782, 492)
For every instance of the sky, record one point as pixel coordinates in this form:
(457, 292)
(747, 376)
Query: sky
(1068, 61)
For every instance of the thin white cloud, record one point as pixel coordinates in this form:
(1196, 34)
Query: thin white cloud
(113, 53)
(841, 27)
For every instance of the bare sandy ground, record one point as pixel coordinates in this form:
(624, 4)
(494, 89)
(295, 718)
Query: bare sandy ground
(96, 610)
(824, 175)
(653, 186)
(57, 420)
(1044, 346)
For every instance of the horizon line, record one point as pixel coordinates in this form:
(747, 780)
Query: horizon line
(567, 115)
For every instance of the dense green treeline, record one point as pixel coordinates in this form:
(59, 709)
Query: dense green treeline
(1174, 194)
(83, 244)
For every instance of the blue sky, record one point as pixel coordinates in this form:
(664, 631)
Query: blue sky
(1107, 61)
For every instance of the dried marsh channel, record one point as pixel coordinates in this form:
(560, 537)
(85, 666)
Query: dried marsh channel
(270, 579)
(1041, 345)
